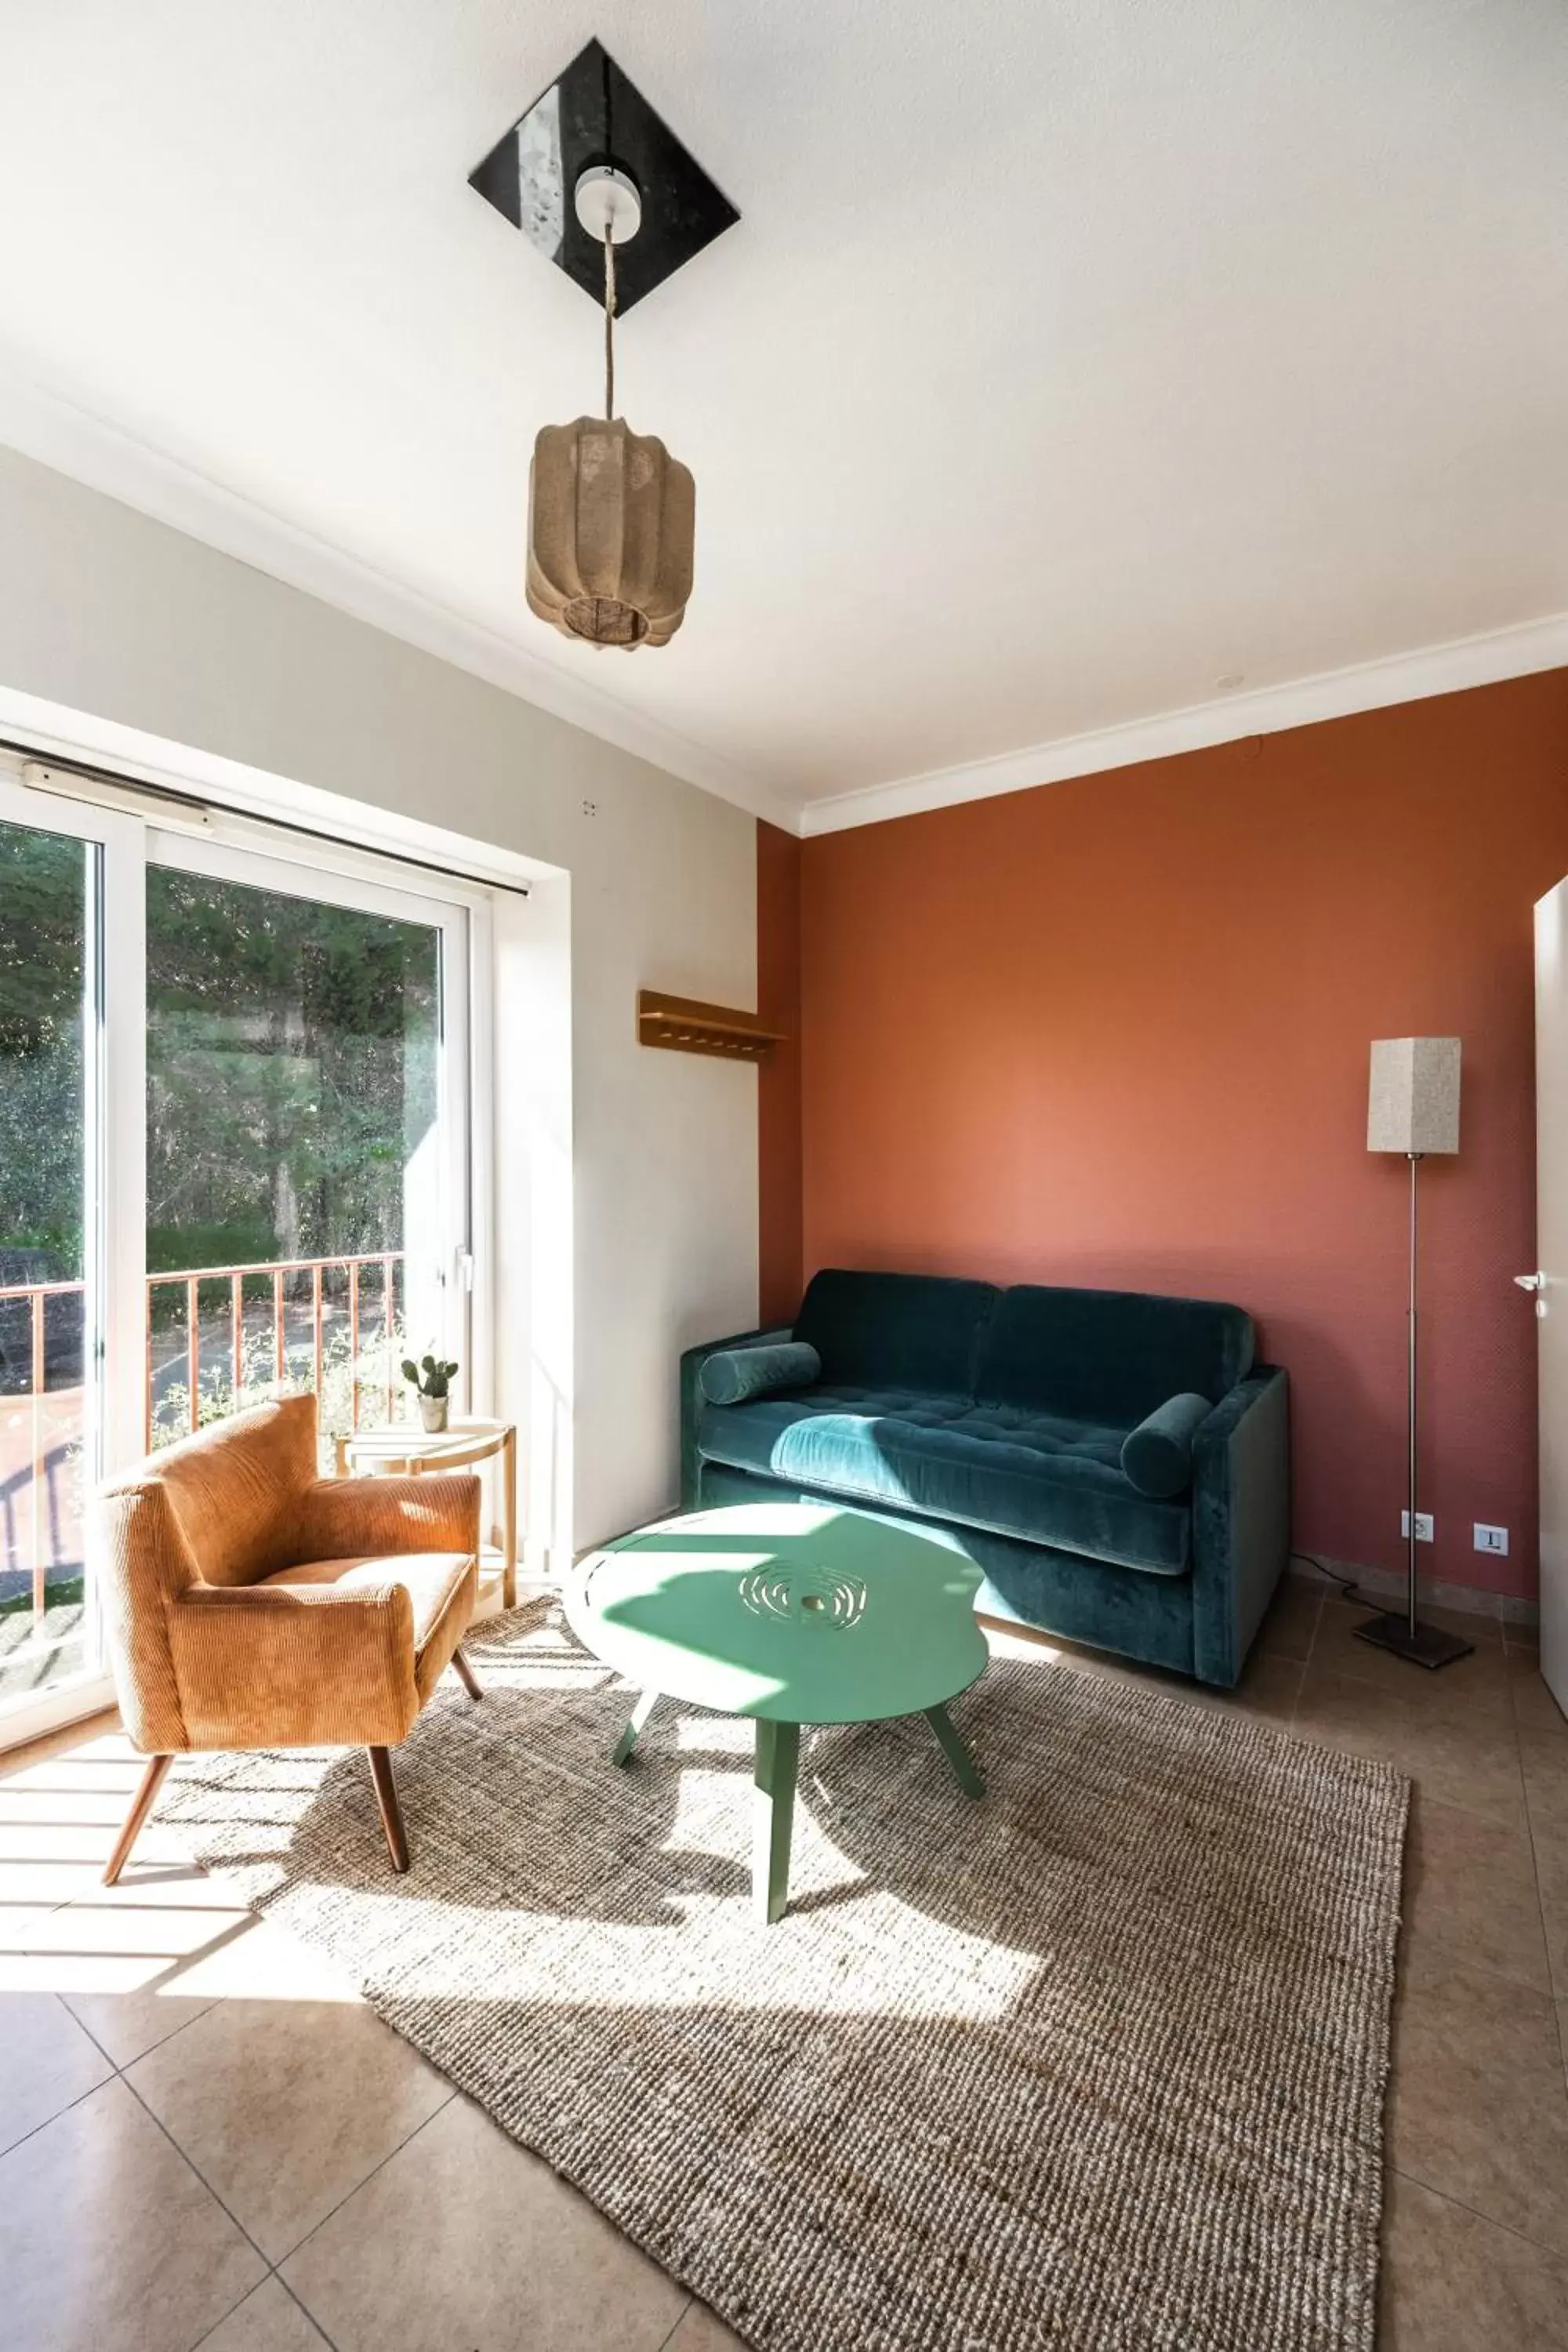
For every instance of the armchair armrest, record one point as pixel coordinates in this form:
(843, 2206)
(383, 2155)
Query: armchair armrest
(691, 1364)
(340, 1517)
(299, 1665)
(1241, 1519)
(143, 1564)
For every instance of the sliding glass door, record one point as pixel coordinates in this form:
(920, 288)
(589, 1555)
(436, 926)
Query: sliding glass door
(307, 1181)
(48, 887)
(69, 1061)
(233, 1161)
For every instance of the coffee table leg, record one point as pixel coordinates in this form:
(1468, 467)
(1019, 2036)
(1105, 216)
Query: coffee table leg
(773, 1817)
(637, 1721)
(957, 1753)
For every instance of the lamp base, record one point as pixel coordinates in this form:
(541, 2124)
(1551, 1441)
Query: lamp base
(1428, 1646)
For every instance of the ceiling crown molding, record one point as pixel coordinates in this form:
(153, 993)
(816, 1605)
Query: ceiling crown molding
(43, 425)
(1333, 694)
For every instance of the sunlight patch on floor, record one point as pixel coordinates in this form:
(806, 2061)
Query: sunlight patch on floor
(191, 1954)
(1027, 1646)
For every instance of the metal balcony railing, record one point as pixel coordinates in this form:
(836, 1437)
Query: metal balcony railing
(36, 1435)
(332, 1323)
(276, 1273)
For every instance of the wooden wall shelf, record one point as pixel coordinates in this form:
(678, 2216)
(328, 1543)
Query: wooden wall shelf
(681, 1024)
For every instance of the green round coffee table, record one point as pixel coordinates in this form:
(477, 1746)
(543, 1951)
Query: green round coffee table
(790, 1614)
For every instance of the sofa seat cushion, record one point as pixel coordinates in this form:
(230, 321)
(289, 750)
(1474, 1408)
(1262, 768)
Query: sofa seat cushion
(1041, 1478)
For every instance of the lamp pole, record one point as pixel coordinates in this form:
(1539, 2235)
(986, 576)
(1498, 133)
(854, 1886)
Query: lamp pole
(1410, 1408)
(1402, 1631)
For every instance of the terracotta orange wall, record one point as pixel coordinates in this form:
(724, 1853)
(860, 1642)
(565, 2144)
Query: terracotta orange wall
(1115, 1032)
(778, 1079)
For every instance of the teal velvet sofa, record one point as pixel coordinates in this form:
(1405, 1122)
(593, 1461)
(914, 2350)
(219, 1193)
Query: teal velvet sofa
(1014, 1421)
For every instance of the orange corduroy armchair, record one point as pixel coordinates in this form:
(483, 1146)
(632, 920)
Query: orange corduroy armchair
(250, 1604)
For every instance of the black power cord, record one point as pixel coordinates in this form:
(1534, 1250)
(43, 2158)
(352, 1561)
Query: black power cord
(1347, 1584)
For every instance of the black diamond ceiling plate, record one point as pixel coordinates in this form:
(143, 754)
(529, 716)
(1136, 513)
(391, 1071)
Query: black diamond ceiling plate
(592, 114)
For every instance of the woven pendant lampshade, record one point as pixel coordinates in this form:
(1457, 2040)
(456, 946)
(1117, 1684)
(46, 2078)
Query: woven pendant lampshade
(611, 526)
(612, 516)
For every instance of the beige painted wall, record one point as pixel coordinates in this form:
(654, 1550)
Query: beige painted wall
(106, 612)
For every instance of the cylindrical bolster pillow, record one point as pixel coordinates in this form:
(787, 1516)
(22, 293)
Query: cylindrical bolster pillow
(1158, 1455)
(733, 1374)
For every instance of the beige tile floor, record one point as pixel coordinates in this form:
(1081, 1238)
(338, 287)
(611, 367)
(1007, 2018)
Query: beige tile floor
(207, 2140)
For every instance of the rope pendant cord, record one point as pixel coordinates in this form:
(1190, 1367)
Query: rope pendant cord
(610, 513)
(610, 325)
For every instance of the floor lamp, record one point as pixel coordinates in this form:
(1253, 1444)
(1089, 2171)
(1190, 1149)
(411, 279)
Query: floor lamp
(1412, 1107)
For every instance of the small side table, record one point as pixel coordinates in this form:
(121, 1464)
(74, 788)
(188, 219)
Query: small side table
(407, 1449)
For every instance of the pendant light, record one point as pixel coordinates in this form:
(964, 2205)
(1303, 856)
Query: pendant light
(611, 514)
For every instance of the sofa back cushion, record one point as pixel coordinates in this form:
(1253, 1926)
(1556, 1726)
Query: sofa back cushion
(896, 1330)
(1109, 1356)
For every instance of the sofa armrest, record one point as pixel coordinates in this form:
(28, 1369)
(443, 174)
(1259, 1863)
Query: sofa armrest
(1241, 1519)
(297, 1665)
(342, 1517)
(691, 1364)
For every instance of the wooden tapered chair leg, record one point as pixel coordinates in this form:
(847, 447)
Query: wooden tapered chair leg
(466, 1675)
(141, 1804)
(391, 1811)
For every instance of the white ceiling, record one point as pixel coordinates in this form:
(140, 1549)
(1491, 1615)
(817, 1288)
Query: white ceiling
(1072, 360)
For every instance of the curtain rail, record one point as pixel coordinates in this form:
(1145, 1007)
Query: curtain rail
(196, 805)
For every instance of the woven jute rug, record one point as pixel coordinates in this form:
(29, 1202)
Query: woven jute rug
(1097, 2062)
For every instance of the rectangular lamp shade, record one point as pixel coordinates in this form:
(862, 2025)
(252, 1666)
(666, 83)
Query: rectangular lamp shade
(1414, 1101)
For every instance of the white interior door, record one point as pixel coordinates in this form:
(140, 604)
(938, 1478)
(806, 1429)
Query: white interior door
(1551, 1276)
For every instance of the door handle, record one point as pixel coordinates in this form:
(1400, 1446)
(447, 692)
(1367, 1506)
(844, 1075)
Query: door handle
(1530, 1281)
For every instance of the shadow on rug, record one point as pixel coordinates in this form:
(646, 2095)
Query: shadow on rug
(1099, 2063)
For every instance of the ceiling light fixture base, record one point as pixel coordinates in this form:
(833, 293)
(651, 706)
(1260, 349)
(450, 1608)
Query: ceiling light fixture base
(607, 204)
(591, 124)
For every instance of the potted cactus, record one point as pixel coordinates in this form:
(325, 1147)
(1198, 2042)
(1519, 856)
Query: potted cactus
(431, 1381)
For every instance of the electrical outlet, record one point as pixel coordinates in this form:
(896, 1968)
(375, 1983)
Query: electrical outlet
(1423, 1526)
(1491, 1540)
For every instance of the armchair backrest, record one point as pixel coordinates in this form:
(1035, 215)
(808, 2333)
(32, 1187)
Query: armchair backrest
(235, 1488)
(219, 1508)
